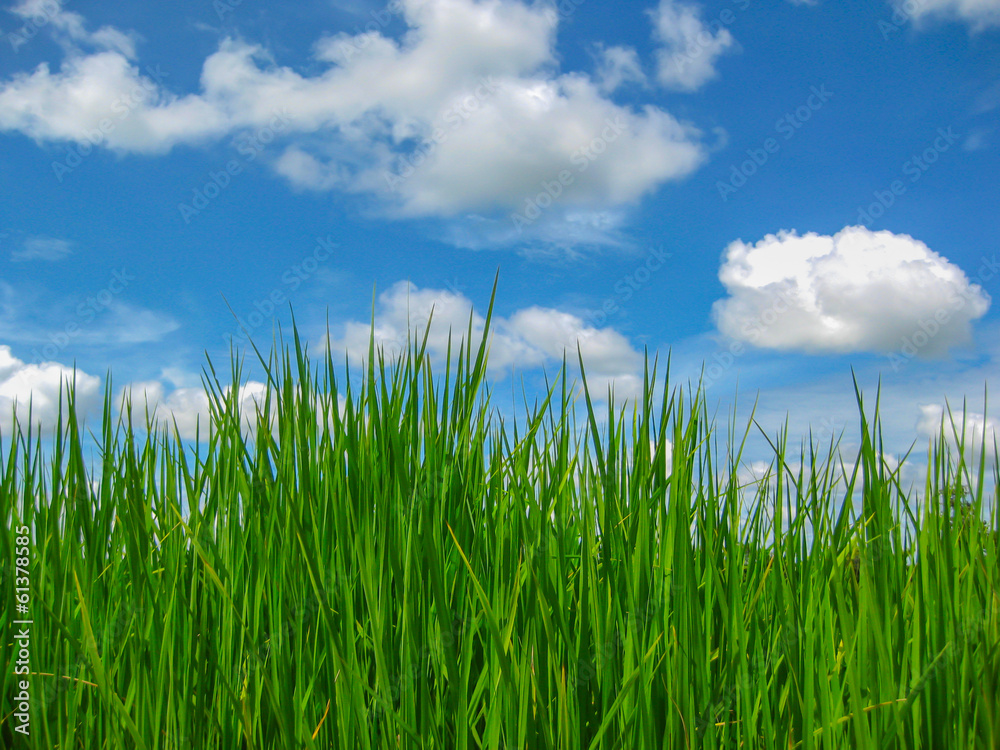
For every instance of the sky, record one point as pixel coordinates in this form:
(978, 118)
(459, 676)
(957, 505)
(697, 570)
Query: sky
(783, 195)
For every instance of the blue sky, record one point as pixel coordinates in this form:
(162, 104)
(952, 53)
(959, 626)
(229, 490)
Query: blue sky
(781, 190)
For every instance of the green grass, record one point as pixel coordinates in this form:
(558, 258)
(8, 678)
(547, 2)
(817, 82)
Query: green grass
(411, 571)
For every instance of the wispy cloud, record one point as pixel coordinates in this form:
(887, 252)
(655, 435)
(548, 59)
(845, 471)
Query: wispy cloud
(979, 14)
(690, 47)
(42, 248)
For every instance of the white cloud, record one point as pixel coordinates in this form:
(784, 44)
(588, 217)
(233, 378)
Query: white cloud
(70, 28)
(988, 99)
(126, 324)
(530, 338)
(542, 335)
(304, 171)
(189, 408)
(38, 385)
(977, 140)
(753, 473)
(557, 234)
(105, 100)
(858, 290)
(972, 428)
(979, 14)
(91, 318)
(690, 48)
(617, 66)
(42, 248)
(668, 454)
(469, 100)
(529, 134)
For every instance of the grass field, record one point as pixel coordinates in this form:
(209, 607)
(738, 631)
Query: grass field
(409, 570)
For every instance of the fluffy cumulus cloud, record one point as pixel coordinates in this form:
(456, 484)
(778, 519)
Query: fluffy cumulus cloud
(690, 47)
(858, 290)
(465, 111)
(979, 14)
(33, 389)
(530, 338)
(972, 429)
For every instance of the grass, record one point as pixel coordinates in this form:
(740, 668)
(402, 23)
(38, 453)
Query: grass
(407, 570)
